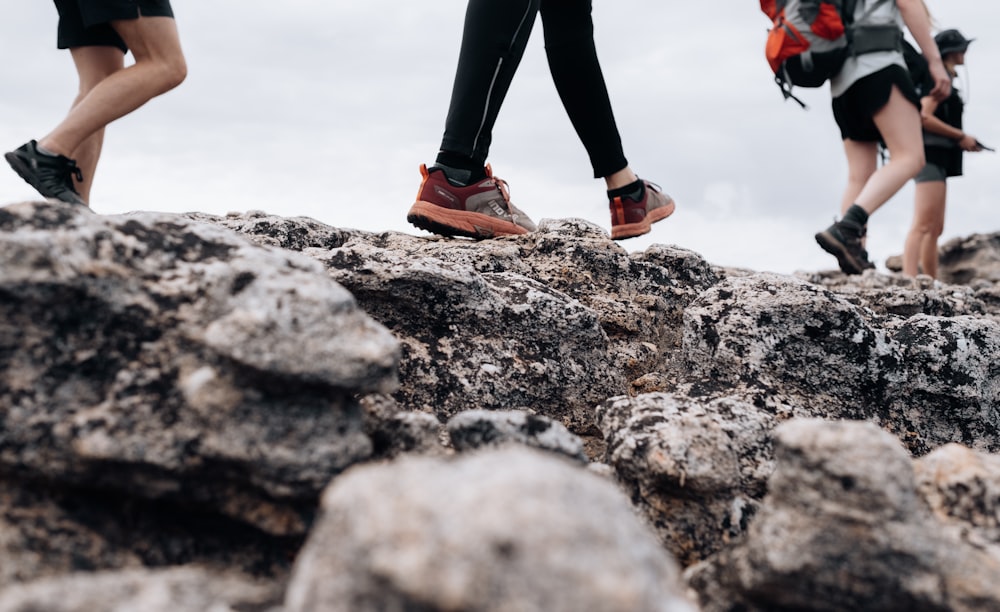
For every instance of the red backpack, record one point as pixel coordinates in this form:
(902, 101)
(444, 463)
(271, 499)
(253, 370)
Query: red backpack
(810, 39)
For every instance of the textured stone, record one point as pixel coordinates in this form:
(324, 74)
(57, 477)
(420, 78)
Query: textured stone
(695, 469)
(172, 359)
(475, 429)
(511, 529)
(187, 589)
(843, 528)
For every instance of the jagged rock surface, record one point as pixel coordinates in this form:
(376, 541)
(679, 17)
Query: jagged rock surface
(171, 394)
(843, 528)
(167, 358)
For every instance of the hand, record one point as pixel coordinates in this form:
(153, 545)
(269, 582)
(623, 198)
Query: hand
(942, 82)
(969, 143)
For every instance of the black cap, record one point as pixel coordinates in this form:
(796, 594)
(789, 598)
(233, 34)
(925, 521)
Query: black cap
(952, 41)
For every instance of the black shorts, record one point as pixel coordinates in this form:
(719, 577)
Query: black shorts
(87, 23)
(854, 109)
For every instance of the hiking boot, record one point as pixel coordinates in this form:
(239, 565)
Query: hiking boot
(481, 210)
(843, 241)
(51, 175)
(630, 218)
(867, 260)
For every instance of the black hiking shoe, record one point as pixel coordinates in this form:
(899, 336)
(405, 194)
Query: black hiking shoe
(51, 175)
(867, 261)
(843, 241)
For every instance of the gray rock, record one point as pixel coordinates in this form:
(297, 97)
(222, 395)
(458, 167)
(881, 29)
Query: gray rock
(455, 305)
(777, 341)
(511, 529)
(694, 468)
(896, 296)
(48, 531)
(394, 431)
(167, 358)
(493, 340)
(843, 528)
(969, 258)
(188, 589)
(475, 429)
(776, 333)
(962, 488)
(945, 386)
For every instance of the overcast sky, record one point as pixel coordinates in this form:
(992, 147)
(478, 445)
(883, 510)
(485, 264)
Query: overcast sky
(326, 108)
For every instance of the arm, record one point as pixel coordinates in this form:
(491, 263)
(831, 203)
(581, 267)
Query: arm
(934, 125)
(918, 22)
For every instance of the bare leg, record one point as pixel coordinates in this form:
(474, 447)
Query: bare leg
(159, 67)
(93, 65)
(929, 248)
(928, 223)
(862, 161)
(899, 123)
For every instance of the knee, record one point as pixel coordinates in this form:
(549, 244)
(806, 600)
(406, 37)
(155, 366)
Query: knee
(173, 72)
(932, 228)
(170, 72)
(914, 162)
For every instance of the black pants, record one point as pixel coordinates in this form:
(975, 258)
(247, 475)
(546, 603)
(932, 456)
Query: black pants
(496, 34)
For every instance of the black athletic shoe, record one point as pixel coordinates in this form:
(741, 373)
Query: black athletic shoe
(843, 241)
(51, 175)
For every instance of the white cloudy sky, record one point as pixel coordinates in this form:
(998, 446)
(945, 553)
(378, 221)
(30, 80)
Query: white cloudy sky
(326, 108)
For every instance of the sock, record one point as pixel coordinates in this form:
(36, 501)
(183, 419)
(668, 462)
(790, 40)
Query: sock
(857, 215)
(633, 191)
(460, 169)
(45, 151)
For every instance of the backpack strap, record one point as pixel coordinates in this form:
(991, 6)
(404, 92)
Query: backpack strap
(784, 82)
(850, 7)
(865, 38)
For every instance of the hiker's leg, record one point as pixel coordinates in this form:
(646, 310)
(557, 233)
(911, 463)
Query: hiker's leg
(576, 72)
(159, 67)
(862, 162)
(899, 123)
(493, 42)
(928, 223)
(93, 65)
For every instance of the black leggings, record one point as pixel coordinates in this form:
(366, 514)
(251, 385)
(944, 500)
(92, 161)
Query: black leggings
(496, 34)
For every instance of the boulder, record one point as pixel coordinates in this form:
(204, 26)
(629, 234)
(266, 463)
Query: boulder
(171, 359)
(507, 529)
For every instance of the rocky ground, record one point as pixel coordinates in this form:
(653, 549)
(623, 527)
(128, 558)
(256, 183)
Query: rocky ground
(259, 413)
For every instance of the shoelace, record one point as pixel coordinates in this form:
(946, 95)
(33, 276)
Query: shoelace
(73, 170)
(503, 188)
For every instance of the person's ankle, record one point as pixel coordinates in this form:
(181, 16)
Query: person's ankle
(460, 168)
(622, 178)
(47, 147)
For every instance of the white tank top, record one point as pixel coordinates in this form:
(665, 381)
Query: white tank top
(856, 67)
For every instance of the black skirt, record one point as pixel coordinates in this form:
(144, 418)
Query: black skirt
(854, 110)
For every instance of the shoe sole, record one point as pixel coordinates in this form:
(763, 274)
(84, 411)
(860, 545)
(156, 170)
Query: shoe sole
(829, 243)
(631, 230)
(448, 222)
(24, 171)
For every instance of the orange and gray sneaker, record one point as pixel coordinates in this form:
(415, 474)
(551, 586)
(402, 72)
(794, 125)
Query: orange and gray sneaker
(480, 210)
(631, 218)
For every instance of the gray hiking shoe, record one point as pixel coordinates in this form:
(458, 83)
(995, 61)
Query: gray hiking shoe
(51, 175)
(843, 241)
